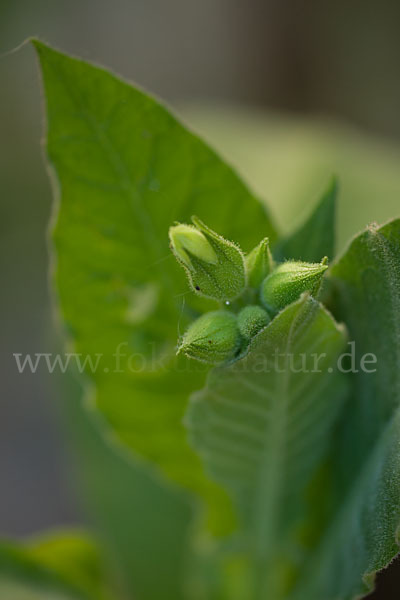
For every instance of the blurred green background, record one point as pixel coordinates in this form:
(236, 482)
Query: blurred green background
(290, 93)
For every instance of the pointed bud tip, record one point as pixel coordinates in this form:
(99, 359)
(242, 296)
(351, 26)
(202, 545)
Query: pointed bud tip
(187, 241)
(259, 263)
(215, 266)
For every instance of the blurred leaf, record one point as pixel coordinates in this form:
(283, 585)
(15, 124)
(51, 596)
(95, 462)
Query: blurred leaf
(144, 523)
(263, 426)
(73, 555)
(288, 159)
(125, 170)
(58, 565)
(363, 534)
(15, 590)
(316, 237)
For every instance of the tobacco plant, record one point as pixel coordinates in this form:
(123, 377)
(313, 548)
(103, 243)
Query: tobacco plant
(240, 436)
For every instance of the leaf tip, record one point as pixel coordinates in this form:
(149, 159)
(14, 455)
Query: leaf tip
(38, 45)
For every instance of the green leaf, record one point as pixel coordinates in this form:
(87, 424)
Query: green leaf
(125, 170)
(362, 536)
(144, 523)
(263, 426)
(63, 565)
(316, 237)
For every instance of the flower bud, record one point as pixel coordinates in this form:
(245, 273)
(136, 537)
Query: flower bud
(212, 338)
(288, 281)
(186, 240)
(251, 320)
(215, 266)
(259, 263)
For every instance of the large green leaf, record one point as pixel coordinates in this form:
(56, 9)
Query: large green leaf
(315, 238)
(264, 425)
(362, 536)
(125, 170)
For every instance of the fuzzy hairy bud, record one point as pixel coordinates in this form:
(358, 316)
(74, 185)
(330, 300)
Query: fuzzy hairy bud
(213, 338)
(288, 281)
(215, 266)
(251, 320)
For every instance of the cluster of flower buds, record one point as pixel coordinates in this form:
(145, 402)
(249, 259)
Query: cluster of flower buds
(218, 269)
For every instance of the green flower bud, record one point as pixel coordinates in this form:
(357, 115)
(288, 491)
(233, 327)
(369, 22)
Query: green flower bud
(259, 263)
(212, 338)
(288, 281)
(186, 240)
(251, 320)
(215, 266)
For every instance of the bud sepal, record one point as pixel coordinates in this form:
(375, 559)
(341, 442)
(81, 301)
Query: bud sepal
(187, 241)
(259, 263)
(214, 265)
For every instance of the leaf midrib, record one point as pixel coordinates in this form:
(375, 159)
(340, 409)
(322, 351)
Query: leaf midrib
(119, 165)
(271, 477)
